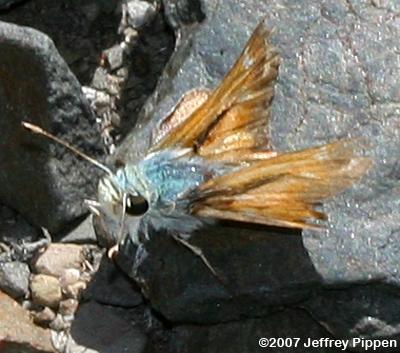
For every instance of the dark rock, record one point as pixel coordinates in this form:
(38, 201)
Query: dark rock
(106, 329)
(40, 180)
(244, 336)
(182, 13)
(108, 6)
(150, 47)
(14, 229)
(81, 30)
(91, 10)
(6, 4)
(368, 311)
(110, 286)
(14, 278)
(19, 240)
(260, 271)
(17, 331)
(338, 78)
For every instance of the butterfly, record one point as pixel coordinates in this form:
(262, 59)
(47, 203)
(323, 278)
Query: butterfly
(211, 160)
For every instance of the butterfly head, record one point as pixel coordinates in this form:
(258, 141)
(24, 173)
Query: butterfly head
(120, 202)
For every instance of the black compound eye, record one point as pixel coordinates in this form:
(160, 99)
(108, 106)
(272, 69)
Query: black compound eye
(136, 205)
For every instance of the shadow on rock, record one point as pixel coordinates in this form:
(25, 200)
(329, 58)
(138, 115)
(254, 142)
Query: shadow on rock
(262, 270)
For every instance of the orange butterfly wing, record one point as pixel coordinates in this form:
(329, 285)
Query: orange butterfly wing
(230, 125)
(282, 190)
(184, 109)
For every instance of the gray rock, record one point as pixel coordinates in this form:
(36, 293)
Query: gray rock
(110, 286)
(115, 56)
(82, 234)
(106, 329)
(104, 81)
(338, 78)
(361, 311)
(14, 278)
(40, 180)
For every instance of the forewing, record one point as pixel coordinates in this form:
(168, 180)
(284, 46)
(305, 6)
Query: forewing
(282, 190)
(235, 115)
(182, 111)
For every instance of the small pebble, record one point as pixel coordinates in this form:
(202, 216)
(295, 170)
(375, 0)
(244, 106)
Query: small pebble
(115, 56)
(130, 35)
(68, 306)
(26, 304)
(69, 276)
(85, 277)
(138, 13)
(75, 290)
(46, 290)
(58, 323)
(44, 317)
(14, 278)
(68, 319)
(57, 257)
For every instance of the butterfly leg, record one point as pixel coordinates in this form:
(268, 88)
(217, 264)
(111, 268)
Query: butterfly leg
(198, 252)
(113, 251)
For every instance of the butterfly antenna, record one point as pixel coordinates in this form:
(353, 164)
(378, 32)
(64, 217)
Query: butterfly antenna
(38, 130)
